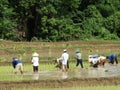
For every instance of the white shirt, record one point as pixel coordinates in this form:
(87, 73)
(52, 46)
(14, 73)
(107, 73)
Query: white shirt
(35, 61)
(64, 57)
(94, 60)
(78, 55)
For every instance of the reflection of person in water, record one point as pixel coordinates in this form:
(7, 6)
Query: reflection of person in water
(36, 76)
(112, 58)
(64, 75)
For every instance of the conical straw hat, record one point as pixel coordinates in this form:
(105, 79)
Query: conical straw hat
(35, 54)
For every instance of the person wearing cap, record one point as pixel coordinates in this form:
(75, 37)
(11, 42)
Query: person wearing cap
(35, 62)
(17, 65)
(79, 58)
(112, 58)
(65, 57)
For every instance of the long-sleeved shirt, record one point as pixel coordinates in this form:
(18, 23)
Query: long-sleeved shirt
(78, 56)
(15, 62)
(111, 57)
(65, 57)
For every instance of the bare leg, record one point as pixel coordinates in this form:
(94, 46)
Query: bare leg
(116, 60)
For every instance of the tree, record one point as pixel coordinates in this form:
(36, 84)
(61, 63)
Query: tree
(92, 23)
(7, 24)
(112, 23)
(55, 20)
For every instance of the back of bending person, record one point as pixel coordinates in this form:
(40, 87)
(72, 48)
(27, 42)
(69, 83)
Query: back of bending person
(112, 58)
(17, 65)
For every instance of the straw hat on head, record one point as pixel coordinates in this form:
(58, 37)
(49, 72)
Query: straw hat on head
(35, 54)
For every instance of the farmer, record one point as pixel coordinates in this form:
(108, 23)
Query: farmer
(93, 60)
(79, 58)
(101, 60)
(35, 62)
(17, 65)
(112, 58)
(59, 63)
(65, 57)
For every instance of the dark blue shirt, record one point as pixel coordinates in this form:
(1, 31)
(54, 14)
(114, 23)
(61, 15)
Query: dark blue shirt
(15, 62)
(111, 57)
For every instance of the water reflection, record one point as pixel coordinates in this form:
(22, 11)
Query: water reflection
(64, 75)
(36, 76)
(96, 72)
(107, 71)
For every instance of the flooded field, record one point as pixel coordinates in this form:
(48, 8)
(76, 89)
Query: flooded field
(52, 77)
(107, 71)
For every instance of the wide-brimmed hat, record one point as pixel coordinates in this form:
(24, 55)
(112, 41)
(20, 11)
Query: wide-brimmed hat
(35, 54)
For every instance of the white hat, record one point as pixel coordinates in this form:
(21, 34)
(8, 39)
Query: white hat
(64, 50)
(35, 54)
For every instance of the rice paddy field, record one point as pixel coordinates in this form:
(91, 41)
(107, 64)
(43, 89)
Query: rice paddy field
(51, 78)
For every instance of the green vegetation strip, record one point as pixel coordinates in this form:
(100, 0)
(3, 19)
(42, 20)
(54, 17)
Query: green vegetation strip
(75, 82)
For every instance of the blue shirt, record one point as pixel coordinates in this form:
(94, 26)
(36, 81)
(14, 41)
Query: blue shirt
(95, 56)
(15, 62)
(111, 57)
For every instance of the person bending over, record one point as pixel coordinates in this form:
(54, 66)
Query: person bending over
(112, 58)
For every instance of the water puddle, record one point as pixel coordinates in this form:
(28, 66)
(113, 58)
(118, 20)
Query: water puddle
(107, 71)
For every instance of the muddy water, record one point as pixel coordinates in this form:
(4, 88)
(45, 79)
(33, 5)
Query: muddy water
(107, 71)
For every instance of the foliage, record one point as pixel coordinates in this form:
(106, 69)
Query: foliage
(34, 39)
(7, 24)
(57, 20)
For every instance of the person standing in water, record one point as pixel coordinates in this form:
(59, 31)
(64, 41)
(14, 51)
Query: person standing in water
(35, 62)
(65, 57)
(79, 58)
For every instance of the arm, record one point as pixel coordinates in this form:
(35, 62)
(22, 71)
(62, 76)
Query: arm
(13, 64)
